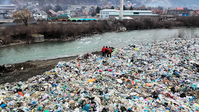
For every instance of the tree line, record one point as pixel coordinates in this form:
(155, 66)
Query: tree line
(71, 31)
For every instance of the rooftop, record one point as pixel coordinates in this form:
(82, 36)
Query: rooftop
(41, 12)
(180, 9)
(8, 5)
(63, 15)
(113, 10)
(53, 12)
(131, 14)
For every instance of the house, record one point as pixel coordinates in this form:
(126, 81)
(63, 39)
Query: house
(64, 17)
(67, 12)
(157, 11)
(196, 13)
(60, 12)
(52, 13)
(135, 14)
(8, 7)
(76, 7)
(3, 14)
(4, 18)
(106, 6)
(6, 14)
(167, 18)
(179, 11)
(40, 15)
(10, 14)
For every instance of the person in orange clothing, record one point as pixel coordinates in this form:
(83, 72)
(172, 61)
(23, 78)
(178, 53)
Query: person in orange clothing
(109, 52)
(103, 51)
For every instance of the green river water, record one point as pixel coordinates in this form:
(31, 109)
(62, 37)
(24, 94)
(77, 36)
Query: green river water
(49, 50)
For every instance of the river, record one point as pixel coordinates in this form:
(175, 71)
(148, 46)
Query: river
(49, 50)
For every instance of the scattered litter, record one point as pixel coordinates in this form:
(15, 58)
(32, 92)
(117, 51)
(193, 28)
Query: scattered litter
(161, 76)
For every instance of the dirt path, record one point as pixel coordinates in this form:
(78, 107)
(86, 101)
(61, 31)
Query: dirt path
(32, 68)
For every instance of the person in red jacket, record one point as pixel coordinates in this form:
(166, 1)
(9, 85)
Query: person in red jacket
(103, 51)
(109, 52)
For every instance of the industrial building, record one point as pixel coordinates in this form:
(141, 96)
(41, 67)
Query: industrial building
(8, 7)
(180, 11)
(135, 14)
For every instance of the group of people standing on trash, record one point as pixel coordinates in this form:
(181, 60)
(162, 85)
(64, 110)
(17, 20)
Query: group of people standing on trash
(106, 51)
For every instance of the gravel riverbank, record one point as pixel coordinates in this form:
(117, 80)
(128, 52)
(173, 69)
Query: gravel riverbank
(25, 70)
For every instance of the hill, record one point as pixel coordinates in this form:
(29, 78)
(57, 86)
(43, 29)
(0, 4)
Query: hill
(52, 1)
(168, 3)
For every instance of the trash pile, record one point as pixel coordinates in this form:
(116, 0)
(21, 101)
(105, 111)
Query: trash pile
(161, 76)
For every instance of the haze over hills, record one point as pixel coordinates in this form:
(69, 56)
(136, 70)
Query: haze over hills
(51, 1)
(152, 3)
(170, 3)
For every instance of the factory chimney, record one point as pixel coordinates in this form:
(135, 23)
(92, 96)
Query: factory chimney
(121, 9)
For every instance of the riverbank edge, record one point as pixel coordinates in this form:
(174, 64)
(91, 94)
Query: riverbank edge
(21, 42)
(25, 70)
(81, 36)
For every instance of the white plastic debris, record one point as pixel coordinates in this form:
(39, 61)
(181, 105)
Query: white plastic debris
(161, 76)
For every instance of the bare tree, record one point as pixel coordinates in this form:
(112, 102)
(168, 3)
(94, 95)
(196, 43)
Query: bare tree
(24, 15)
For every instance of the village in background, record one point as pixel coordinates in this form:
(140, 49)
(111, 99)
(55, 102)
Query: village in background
(25, 21)
(58, 10)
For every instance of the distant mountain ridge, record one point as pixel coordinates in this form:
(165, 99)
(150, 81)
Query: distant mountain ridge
(70, 2)
(168, 3)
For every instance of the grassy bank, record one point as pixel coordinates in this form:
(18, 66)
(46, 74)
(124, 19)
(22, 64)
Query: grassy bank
(71, 31)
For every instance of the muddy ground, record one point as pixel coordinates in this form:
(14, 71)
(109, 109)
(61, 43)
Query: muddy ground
(24, 71)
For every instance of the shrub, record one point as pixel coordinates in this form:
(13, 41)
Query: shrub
(71, 29)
